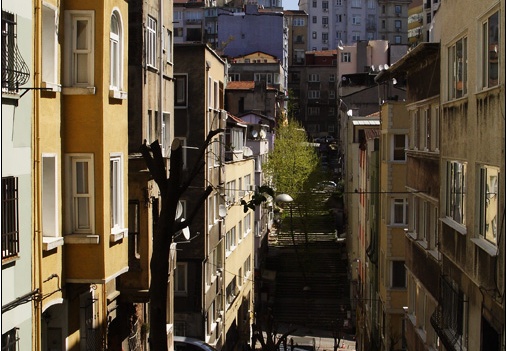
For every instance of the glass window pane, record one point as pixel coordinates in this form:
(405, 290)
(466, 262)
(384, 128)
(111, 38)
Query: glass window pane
(81, 68)
(81, 34)
(82, 177)
(83, 215)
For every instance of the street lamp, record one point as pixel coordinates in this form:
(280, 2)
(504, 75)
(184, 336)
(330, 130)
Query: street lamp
(286, 198)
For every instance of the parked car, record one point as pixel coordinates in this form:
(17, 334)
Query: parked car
(183, 343)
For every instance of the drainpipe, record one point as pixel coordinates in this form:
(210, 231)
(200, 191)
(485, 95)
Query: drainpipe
(36, 185)
(161, 76)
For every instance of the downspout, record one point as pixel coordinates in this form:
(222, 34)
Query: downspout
(36, 183)
(161, 77)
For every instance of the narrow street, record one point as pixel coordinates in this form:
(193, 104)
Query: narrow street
(311, 288)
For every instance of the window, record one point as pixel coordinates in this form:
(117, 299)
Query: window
(116, 52)
(314, 4)
(151, 41)
(81, 202)
(398, 274)
(488, 202)
(248, 223)
(80, 48)
(356, 3)
(10, 217)
(88, 320)
(397, 24)
(371, 4)
(230, 239)
(314, 19)
(356, 19)
(397, 39)
(230, 191)
(314, 77)
(10, 340)
(325, 5)
(345, 57)
(456, 191)
(314, 35)
(332, 95)
(49, 44)
(339, 2)
(325, 20)
(180, 90)
(180, 283)
(169, 46)
(134, 234)
(49, 189)
(313, 94)
(399, 145)
(116, 188)
(233, 77)
(490, 51)
(313, 111)
(298, 22)
(332, 77)
(266, 77)
(399, 212)
(325, 36)
(356, 36)
(397, 9)
(457, 60)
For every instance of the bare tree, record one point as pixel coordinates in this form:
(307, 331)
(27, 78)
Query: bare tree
(171, 188)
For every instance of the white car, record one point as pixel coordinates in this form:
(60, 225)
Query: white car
(183, 343)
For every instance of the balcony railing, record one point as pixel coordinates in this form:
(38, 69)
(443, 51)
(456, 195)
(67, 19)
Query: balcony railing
(15, 71)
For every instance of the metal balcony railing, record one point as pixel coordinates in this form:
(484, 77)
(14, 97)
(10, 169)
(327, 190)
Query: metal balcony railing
(15, 71)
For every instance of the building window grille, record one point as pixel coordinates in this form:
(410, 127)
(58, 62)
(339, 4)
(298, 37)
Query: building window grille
(10, 217)
(15, 71)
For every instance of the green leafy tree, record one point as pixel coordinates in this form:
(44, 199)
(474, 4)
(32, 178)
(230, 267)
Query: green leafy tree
(292, 160)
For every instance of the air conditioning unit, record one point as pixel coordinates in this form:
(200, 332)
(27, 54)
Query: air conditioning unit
(325, 10)
(324, 41)
(324, 25)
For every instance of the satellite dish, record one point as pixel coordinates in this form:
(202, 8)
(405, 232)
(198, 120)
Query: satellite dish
(247, 152)
(380, 68)
(254, 133)
(262, 133)
(349, 113)
(386, 66)
(186, 233)
(179, 210)
(222, 211)
(186, 230)
(373, 68)
(395, 81)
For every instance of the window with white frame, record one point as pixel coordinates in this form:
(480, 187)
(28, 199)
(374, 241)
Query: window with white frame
(313, 111)
(313, 94)
(314, 19)
(177, 16)
(116, 188)
(426, 129)
(399, 144)
(151, 41)
(339, 2)
(371, 4)
(49, 43)
(81, 194)
(356, 19)
(115, 52)
(50, 197)
(356, 36)
(356, 3)
(314, 77)
(398, 275)
(345, 57)
(399, 211)
(180, 90)
(457, 68)
(80, 48)
(247, 182)
(247, 267)
(456, 191)
(237, 139)
(169, 46)
(230, 191)
(332, 95)
(298, 22)
(490, 50)
(180, 283)
(263, 77)
(240, 230)
(248, 223)
(234, 77)
(488, 202)
(325, 20)
(230, 239)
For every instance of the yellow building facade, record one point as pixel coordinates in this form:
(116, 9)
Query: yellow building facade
(80, 157)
